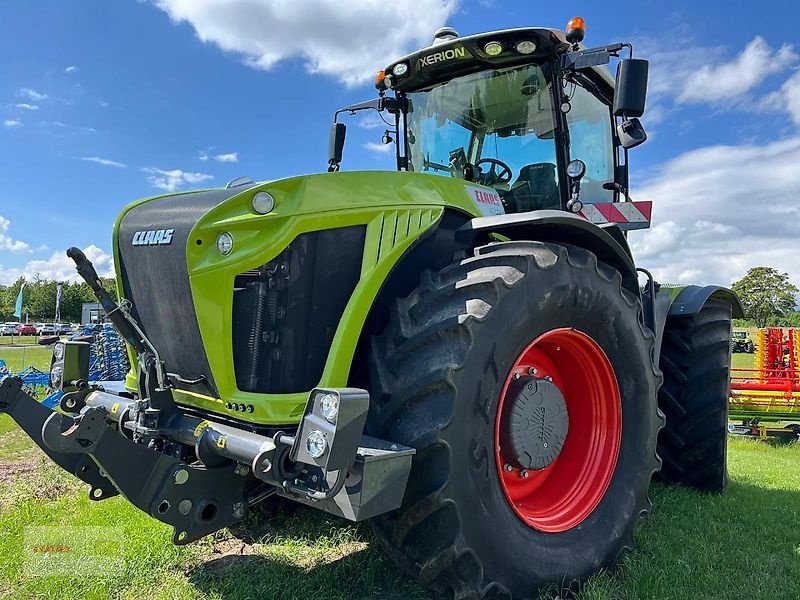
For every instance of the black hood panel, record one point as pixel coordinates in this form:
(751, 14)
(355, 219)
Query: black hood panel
(155, 279)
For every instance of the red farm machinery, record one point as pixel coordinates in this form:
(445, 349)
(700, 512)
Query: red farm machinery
(770, 391)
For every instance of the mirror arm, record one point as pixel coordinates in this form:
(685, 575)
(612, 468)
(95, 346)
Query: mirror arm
(590, 57)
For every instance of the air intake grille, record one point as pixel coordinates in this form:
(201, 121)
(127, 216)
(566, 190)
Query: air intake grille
(285, 313)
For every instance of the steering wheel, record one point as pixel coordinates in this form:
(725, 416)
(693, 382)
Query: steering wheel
(492, 176)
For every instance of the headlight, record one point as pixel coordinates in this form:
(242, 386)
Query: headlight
(493, 48)
(56, 374)
(329, 406)
(526, 47)
(58, 351)
(400, 69)
(225, 243)
(316, 444)
(263, 203)
(576, 169)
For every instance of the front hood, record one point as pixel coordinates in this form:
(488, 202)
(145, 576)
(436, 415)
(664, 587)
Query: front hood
(192, 301)
(151, 243)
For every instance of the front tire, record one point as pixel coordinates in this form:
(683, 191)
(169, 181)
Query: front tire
(439, 374)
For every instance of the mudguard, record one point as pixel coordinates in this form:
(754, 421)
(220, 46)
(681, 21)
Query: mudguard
(690, 299)
(686, 301)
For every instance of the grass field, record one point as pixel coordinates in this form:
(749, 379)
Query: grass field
(744, 543)
(19, 358)
(18, 340)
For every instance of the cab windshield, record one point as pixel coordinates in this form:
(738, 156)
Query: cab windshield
(497, 127)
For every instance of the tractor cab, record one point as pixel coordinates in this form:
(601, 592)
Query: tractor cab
(527, 112)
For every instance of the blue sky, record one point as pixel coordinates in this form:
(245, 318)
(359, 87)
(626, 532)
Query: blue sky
(105, 102)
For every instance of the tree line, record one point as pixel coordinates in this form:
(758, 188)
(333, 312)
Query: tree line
(39, 299)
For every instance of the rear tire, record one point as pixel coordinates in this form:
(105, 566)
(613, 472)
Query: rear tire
(696, 360)
(437, 375)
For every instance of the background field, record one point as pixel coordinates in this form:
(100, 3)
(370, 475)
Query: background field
(742, 544)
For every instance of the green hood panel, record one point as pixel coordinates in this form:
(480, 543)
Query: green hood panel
(396, 208)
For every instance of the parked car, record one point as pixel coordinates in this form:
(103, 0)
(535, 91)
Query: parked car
(47, 329)
(63, 328)
(8, 328)
(26, 329)
(39, 327)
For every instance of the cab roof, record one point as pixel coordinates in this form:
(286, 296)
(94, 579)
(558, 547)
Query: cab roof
(454, 57)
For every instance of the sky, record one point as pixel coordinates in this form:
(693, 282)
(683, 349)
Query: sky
(104, 102)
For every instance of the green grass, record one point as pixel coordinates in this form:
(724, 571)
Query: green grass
(18, 340)
(743, 361)
(18, 359)
(15, 444)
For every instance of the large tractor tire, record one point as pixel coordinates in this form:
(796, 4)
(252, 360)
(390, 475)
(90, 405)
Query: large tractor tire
(696, 361)
(524, 378)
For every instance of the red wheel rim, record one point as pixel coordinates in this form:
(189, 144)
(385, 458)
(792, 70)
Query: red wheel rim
(561, 495)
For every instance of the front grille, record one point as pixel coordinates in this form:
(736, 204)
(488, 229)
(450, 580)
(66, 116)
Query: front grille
(286, 312)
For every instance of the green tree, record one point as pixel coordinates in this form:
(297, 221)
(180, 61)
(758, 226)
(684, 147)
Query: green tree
(765, 293)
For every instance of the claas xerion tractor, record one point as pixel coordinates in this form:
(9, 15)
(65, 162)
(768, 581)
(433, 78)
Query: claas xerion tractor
(458, 350)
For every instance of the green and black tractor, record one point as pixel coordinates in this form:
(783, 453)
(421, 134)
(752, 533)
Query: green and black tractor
(741, 342)
(462, 351)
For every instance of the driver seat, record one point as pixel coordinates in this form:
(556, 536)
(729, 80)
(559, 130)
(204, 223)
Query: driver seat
(536, 188)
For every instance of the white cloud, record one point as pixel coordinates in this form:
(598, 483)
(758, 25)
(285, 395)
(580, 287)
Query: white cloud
(676, 79)
(103, 161)
(67, 128)
(787, 99)
(231, 157)
(719, 210)
(379, 148)
(32, 94)
(371, 120)
(8, 243)
(203, 154)
(713, 83)
(60, 267)
(26, 106)
(71, 69)
(12, 123)
(350, 40)
(171, 181)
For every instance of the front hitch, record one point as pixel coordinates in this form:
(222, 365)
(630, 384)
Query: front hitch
(199, 476)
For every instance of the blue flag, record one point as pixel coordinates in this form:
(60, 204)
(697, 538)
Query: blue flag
(18, 307)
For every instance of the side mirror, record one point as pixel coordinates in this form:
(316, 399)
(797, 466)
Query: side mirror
(336, 146)
(631, 87)
(631, 133)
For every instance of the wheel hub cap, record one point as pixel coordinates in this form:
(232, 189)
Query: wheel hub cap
(561, 391)
(536, 423)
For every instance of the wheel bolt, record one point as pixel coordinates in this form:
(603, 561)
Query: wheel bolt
(523, 474)
(516, 375)
(532, 371)
(508, 467)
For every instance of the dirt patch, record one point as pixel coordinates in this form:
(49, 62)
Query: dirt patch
(11, 470)
(232, 547)
(34, 478)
